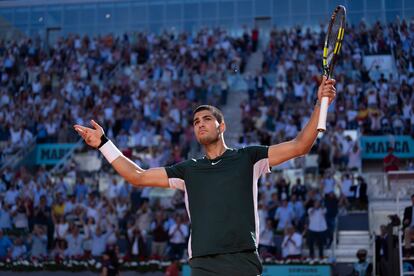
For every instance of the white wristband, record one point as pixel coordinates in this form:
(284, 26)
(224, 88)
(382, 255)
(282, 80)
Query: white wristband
(110, 151)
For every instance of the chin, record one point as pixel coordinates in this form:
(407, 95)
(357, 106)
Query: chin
(207, 140)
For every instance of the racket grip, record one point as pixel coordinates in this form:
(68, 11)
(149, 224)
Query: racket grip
(323, 112)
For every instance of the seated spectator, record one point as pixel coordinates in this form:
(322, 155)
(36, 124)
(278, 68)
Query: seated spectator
(75, 243)
(362, 267)
(19, 249)
(99, 241)
(292, 244)
(38, 241)
(267, 246)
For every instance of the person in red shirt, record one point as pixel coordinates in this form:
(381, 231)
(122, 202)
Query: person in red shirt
(391, 161)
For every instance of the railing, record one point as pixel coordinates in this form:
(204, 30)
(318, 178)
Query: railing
(62, 162)
(374, 257)
(334, 243)
(14, 160)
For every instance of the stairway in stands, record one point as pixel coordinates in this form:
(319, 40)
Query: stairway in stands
(238, 93)
(353, 234)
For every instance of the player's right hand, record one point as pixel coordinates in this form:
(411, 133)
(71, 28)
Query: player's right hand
(92, 136)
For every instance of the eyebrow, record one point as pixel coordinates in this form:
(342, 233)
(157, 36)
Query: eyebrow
(205, 116)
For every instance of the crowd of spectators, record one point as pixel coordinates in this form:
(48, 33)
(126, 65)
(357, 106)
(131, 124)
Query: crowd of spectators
(141, 87)
(44, 217)
(297, 215)
(282, 94)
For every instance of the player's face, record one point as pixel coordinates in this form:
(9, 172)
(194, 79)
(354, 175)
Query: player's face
(206, 127)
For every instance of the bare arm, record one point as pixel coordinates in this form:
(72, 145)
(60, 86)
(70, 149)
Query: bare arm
(131, 172)
(304, 140)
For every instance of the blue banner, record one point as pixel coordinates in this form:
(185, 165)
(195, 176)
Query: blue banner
(286, 270)
(375, 147)
(50, 154)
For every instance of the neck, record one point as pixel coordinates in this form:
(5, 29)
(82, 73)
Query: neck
(216, 149)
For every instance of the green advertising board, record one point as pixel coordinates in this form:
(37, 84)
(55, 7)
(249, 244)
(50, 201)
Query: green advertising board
(375, 147)
(50, 154)
(286, 270)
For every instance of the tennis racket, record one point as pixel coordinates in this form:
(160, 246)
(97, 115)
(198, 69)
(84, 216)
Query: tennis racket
(331, 50)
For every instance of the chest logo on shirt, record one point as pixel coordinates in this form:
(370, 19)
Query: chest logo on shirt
(215, 163)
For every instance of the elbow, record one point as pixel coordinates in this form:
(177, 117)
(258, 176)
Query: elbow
(135, 179)
(306, 150)
(302, 149)
(303, 144)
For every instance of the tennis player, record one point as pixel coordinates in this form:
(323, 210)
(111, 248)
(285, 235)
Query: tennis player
(220, 188)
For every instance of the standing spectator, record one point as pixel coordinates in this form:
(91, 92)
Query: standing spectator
(299, 189)
(361, 193)
(178, 233)
(328, 183)
(5, 245)
(346, 187)
(354, 161)
(5, 217)
(144, 217)
(292, 244)
(324, 161)
(267, 246)
(20, 213)
(255, 39)
(159, 231)
(136, 243)
(317, 228)
(391, 162)
(284, 216)
(382, 250)
(408, 226)
(298, 210)
(81, 190)
(331, 204)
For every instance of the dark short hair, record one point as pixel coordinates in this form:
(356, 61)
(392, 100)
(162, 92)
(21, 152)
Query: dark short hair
(214, 110)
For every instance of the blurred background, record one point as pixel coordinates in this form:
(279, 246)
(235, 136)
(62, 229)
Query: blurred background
(139, 68)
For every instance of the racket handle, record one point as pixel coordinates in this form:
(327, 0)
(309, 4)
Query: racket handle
(323, 112)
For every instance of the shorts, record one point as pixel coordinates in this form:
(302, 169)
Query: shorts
(246, 263)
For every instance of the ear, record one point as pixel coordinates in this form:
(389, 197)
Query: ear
(222, 127)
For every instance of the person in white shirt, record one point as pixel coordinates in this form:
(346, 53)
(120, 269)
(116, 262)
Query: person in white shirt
(292, 244)
(317, 228)
(178, 233)
(346, 188)
(284, 215)
(328, 183)
(267, 247)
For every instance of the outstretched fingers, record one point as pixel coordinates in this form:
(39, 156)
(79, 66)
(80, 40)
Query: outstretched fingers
(95, 125)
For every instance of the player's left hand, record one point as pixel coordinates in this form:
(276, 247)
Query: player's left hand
(327, 89)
